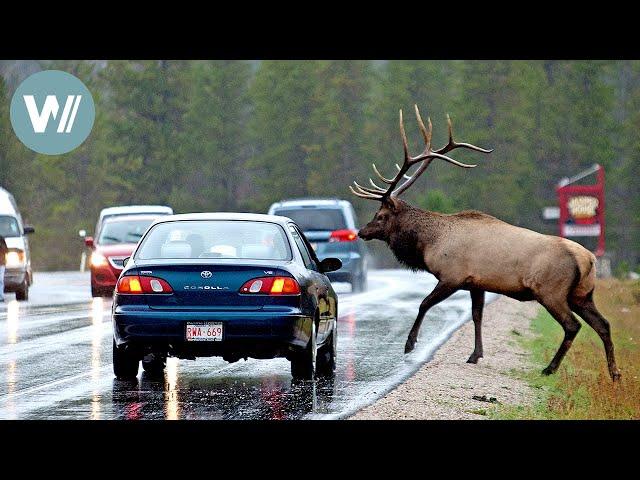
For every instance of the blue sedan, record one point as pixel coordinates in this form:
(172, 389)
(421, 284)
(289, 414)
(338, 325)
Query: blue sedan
(225, 284)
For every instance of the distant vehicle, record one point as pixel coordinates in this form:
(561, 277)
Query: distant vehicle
(225, 284)
(18, 276)
(332, 228)
(118, 237)
(111, 212)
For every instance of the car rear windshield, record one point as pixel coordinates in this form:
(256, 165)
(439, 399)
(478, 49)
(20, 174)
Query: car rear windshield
(315, 219)
(9, 227)
(215, 239)
(125, 231)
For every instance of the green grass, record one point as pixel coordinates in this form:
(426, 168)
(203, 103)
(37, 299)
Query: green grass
(582, 388)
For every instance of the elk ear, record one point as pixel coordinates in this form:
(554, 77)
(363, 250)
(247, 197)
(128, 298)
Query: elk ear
(391, 203)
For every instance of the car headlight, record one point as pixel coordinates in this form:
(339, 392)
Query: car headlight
(14, 259)
(98, 260)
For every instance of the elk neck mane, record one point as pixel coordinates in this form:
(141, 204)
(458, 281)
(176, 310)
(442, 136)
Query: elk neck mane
(415, 230)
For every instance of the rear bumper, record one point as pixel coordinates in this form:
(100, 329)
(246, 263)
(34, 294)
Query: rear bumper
(14, 278)
(352, 265)
(258, 334)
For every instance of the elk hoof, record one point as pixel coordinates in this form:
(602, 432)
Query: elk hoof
(474, 358)
(548, 371)
(616, 376)
(410, 345)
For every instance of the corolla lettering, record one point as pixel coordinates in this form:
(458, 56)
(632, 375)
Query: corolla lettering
(204, 287)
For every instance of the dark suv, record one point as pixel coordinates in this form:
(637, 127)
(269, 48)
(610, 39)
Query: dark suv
(331, 227)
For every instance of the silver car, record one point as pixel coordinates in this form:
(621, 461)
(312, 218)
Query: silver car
(331, 226)
(17, 276)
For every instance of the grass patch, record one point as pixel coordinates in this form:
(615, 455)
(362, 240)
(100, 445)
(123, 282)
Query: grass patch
(479, 411)
(582, 388)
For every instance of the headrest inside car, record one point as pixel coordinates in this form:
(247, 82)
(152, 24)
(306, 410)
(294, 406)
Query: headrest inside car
(177, 249)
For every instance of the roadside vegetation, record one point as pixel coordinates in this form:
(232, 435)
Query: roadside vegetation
(582, 388)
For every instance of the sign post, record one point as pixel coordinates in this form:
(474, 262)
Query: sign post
(582, 207)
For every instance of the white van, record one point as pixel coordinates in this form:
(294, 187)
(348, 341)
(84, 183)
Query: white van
(17, 276)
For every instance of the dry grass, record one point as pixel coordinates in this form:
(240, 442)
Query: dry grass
(582, 388)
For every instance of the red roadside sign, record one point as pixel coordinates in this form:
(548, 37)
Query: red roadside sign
(582, 207)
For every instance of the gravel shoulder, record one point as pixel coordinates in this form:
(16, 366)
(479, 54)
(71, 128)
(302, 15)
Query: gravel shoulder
(444, 388)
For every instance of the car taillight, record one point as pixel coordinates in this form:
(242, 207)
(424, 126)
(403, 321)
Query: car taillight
(345, 235)
(271, 286)
(134, 284)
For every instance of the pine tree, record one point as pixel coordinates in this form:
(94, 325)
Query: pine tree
(213, 147)
(282, 94)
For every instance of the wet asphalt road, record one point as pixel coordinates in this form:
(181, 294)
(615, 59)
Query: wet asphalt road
(55, 358)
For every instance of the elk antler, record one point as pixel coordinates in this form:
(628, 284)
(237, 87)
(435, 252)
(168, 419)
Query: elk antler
(427, 155)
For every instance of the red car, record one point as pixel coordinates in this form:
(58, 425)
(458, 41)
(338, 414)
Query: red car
(117, 239)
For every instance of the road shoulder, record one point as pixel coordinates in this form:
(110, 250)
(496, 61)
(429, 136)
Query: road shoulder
(445, 387)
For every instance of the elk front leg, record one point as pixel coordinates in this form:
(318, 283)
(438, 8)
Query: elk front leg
(441, 292)
(477, 304)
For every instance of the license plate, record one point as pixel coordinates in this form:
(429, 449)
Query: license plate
(204, 332)
(314, 246)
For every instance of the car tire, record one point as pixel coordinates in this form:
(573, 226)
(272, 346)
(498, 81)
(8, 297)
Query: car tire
(327, 355)
(22, 293)
(100, 292)
(125, 362)
(155, 367)
(304, 364)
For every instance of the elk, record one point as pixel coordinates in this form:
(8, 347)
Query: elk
(473, 251)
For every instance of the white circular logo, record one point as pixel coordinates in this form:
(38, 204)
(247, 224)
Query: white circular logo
(52, 112)
(206, 274)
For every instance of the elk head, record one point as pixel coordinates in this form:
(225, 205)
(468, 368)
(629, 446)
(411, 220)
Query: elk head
(385, 219)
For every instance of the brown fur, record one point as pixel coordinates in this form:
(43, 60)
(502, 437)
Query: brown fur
(474, 251)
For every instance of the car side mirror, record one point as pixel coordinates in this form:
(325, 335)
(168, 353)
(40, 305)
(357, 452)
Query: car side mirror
(125, 261)
(88, 241)
(330, 265)
(28, 229)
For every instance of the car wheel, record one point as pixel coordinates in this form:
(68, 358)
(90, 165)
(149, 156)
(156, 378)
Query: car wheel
(303, 364)
(327, 355)
(22, 293)
(125, 362)
(101, 292)
(154, 367)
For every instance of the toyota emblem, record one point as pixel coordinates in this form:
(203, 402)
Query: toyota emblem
(206, 274)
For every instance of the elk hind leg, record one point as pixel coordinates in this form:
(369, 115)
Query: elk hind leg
(570, 324)
(477, 304)
(590, 314)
